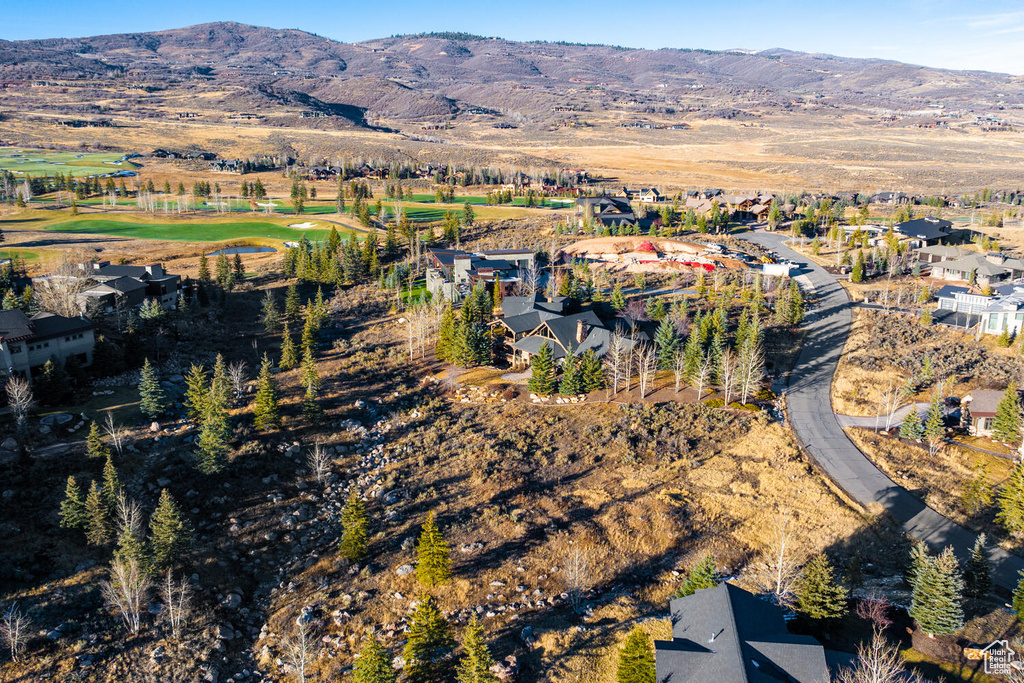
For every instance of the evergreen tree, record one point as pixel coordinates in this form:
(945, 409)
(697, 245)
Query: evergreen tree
(1011, 502)
(151, 395)
(289, 355)
(238, 268)
(428, 645)
(476, 662)
(572, 377)
(197, 393)
(667, 342)
(111, 484)
(1018, 598)
(934, 428)
(591, 372)
(220, 385)
(223, 271)
(204, 269)
(310, 330)
(270, 316)
(818, 595)
(97, 526)
(911, 428)
(311, 407)
(292, 303)
(618, 299)
(702, 575)
(1006, 425)
(265, 405)
(977, 493)
(354, 527)
(433, 564)
(72, 509)
(978, 572)
(542, 376)
(94, 443)
(373, 665)
(447, 336)
(936, 602)
(636, 659)
(212, 447)
(169, 534)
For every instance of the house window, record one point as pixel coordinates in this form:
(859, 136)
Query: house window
(993, 321)
(16, 349)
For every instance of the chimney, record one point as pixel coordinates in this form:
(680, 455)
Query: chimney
(581, 331)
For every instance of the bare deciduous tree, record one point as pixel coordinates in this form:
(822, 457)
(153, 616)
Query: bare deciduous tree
(126, 591)
(646, 365)
(679, 367)
(319, 461)
(19, 398)
(298, 649)
(14, 627)
(779, 569)
(577, 573)
(237, 374)
(61, 291)
(703, 375)
(177, 597)
(891, 399)
(614, 360)
(879, 662)
(750, 371)
(727, 374)
(118, 434)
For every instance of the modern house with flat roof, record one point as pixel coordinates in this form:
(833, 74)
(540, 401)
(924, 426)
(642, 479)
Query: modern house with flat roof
(160, 285)
(27, 343)
(452, 273)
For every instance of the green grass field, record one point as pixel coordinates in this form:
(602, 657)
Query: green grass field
(38, 163)
(516, 201)
(188, 232)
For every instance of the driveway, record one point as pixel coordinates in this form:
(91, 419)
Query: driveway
(810, 411)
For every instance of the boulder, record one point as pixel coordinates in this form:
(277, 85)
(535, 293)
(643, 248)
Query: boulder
(154, 426)
(9, 444)
(404, 570)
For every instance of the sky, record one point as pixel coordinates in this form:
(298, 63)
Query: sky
(956, 34)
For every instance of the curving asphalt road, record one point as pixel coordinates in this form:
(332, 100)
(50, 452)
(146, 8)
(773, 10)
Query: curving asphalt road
(809, 404)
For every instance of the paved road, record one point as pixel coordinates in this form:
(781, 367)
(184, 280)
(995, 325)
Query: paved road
(879, 422)
(810, 410)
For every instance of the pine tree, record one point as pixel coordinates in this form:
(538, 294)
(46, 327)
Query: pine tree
(936, 602)
(476, 662)
(197, 393)
(204, 269)
(111, 484)
(220, 385)
(433, 564)
(978, 572)
(289, 356)
(591, 372)
(151, 395)
(618, 299)
(1006, 425)
(818, 595)
(572, 377)
(72, 509)
(310, 330)
(94, 443)
(238, 268)
(212, 446)
(1018, 598)
(445, 347)
(542, 376)
(977, 493)
(270, 317)
(97, 525)
(354, 527)
(169, 534)
(934, 428)
(428, 645)
(702, 575)
(311, 407)
(265, 409)
(1011, 502)
(667, 342)
(911, 428)
(373, 665)
(292, 303)
(636, 659)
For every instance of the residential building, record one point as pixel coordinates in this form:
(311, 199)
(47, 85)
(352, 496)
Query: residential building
(567, 335)
(610, 211)
(941, 252)
(927, 231)
(961, 300)
(648, 195)
(160, 285)
(980, 407)
(452, 273)
(727, 635)
(891, 198)
(983, 269)
(1005, 311)
(27, 343)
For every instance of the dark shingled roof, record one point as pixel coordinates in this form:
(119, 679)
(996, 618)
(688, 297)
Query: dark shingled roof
(527, 322)
(48, 325)
(517, 305)
(947, 291)
(14, 325)
(727, 635)
(925, 228)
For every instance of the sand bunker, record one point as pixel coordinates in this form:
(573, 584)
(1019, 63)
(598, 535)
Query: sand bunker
(302, 226)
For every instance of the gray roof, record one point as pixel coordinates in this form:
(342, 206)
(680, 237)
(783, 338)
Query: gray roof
(564, 328)
(531, 345)
(527, 322)
(517, 305)
(944, 251)
(983, 402)
(14, 324)
(123, 284)
(48, 325)
(927, 228)
(728, 635)
(981, 265)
